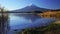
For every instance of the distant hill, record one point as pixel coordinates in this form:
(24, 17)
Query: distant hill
(30, 8)
(57, 10)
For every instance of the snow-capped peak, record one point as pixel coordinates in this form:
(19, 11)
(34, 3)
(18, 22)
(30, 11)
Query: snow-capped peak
(30, 4)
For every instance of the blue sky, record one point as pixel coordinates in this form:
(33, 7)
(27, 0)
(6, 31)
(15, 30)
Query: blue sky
(18, 4)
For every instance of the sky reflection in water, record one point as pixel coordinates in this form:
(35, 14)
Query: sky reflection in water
(21, 22)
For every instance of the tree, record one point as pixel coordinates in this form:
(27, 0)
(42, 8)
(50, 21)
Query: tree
(4, 25)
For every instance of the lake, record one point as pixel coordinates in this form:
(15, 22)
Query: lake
(21, 21)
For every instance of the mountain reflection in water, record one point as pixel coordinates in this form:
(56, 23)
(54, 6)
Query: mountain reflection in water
(27, 20)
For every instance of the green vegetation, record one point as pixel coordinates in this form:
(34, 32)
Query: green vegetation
(51, 29)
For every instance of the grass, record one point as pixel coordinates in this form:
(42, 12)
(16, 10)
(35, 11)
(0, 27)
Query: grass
(53, 28)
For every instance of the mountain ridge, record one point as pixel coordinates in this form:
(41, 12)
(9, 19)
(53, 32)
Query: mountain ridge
(30, 8)
(33, 7)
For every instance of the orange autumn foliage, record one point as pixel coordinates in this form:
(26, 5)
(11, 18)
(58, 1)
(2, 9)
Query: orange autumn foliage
(50, 14)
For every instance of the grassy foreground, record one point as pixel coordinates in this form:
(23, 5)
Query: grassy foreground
(53, 28)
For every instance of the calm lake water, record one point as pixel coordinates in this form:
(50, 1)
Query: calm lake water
(21, 21)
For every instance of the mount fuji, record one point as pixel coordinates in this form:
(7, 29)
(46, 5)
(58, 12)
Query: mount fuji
(30, 8)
